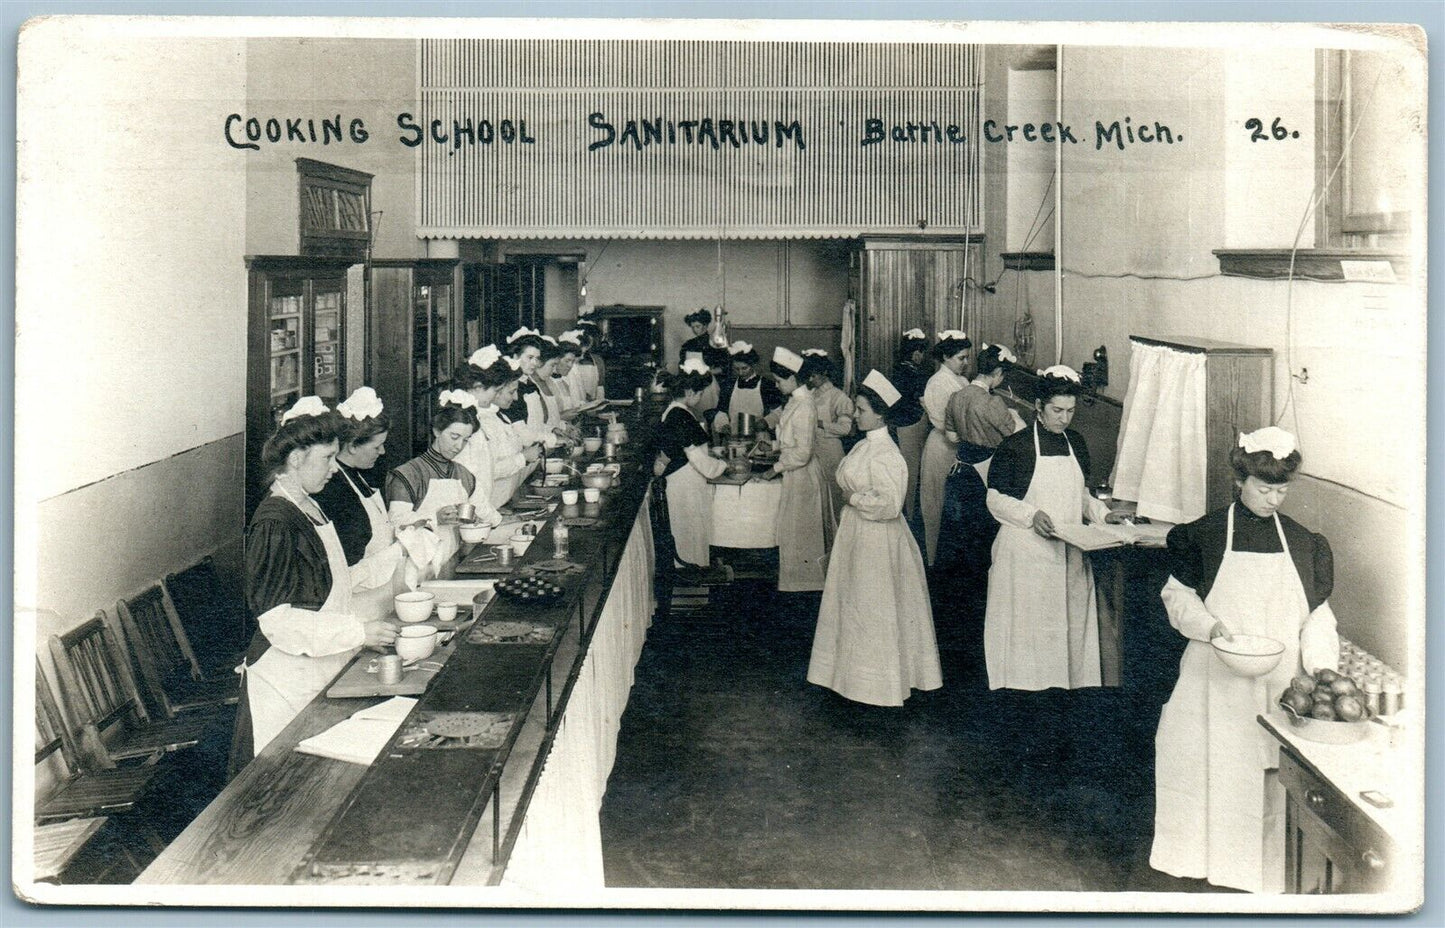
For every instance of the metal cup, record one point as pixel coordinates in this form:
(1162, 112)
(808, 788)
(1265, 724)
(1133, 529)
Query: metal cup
(504, 554)
(466, 512)
(388, 669)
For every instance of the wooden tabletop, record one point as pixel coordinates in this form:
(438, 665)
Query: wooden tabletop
(290, 817)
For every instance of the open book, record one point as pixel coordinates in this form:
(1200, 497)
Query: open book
(360, 738)
(1096, 536)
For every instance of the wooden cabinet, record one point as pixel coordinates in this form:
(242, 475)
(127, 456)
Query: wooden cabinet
(416, 345)
(1239, 397)
(1330, 845)
(296, 345)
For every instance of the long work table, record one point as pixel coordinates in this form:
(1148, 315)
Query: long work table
(514, 808)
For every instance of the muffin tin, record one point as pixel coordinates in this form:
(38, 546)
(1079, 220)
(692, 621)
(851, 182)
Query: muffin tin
(529, 589)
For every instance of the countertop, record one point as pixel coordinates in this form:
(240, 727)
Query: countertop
(1371, 764)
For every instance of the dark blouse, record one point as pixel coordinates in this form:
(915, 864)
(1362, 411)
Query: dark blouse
(408, 483)
(680, 430)
(697, 343)
(1012, 469)
(910, 382)
(285, 563)
(345, 509)
(517, 412)
(1196, 550)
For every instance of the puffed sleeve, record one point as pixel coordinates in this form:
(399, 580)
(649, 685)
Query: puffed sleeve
(998, 414)
(953, 414)
(1319, 642)
(1324, 563)
(882, 500)
(1182, 603)
(285, 593)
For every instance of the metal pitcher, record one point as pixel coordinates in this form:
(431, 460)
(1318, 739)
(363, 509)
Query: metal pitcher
(747, 425)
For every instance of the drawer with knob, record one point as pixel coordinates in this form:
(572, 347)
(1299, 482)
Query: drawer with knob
(1331, 845)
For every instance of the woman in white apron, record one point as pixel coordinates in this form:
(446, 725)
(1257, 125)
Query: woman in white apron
(528, 412)
(940, 447)
(477, 454)
(590, 370)
(683, 461)
(746, 391)
(805, 510)
(1244, 569)
(1041, 624)
(494, 387)
(835, 419)
(910, 379)
(297, 585)
(875, 642)
(430, 487)
(358, 510)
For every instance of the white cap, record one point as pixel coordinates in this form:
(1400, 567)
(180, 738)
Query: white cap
(883, 387)
(1062, 371)
(1278, 442)
(457, 398)
(694, 364)
(306, 406)
(914, 333)
(785, 358)
(363, 404)
(739, 347)
(1003, 353)
(485, 356)
(956, 334)
(815, 352)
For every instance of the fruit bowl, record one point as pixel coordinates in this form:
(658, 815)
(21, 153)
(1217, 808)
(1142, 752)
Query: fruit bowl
(1327, 707)
(1248, 655)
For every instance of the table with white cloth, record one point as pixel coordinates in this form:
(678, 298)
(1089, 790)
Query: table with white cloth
(497, 824)
(746, 516)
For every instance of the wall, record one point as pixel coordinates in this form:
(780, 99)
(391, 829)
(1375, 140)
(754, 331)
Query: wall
(764, 283)
(1137, 234)
(368, 79)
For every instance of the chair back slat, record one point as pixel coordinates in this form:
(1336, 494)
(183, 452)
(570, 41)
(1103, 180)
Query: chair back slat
(91, 675)
(49, 725)
(150, 632)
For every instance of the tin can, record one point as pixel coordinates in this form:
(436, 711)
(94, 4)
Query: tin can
(1372, 690)
(1392, 699)
(560, 539)
(389, 669)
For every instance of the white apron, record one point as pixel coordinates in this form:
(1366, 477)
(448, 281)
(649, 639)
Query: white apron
(552, 407)
(586, 377)
(280, 685)
(910, 444)
(938, 456)
(377, 577)
(806, 521)
(1218, 814)
(440, 493)
(1041, 627)
(689, 510)
(749, 401)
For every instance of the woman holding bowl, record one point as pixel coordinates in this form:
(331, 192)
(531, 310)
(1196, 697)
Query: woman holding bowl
(298, 585)
(1244, 569)
(432, 486)
(875, 642)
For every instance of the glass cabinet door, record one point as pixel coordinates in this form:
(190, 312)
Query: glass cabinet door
(422, 380)
(328, 346)
(286, 321)
(442, 363)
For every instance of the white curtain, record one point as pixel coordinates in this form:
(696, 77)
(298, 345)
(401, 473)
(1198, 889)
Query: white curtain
(561, 838)
(850, 322)
(1161, 454)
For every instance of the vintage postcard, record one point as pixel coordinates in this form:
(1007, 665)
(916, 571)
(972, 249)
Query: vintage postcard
(647, 464)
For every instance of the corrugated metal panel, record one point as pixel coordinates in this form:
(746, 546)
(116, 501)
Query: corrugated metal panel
(705, 157)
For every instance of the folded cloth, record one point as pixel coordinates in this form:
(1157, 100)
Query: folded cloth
(359, 739)
(425, 551)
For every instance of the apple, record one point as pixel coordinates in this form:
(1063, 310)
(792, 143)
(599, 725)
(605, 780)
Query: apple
(1349, 709)
(1344, 686)
(1303, 683)
(1301, 703)
(1326, 676)
(1323, 711)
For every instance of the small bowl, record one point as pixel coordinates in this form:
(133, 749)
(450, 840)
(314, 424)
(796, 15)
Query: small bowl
(593, 445)
(569, 497)
(592, 494)
(575, 452)
(416, 642)
(555, 465)
(414, 606)
(1249, 655)
(520, 542)
(596, 482)
(474, 534)
(447, 612)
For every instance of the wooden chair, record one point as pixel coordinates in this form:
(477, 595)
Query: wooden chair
(81, 793)
(96, 684)
(213, 616)
(164, 661)
(57, 844)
